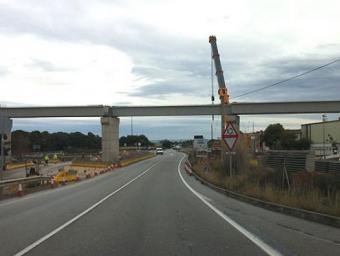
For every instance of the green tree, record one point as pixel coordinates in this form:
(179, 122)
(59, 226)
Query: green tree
(20, 143)
(133, 140)
(288, 140)
(272, 136)
(166, 143)
(276, 137)
(302, 144)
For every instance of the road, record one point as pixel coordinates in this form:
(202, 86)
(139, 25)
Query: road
(153, 208)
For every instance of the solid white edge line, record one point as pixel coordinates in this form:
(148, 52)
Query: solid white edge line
(256, 240)
(55, 231)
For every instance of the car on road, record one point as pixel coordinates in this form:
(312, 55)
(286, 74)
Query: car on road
(159, 151)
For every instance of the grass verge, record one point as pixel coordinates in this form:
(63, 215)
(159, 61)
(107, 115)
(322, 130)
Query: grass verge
(258, 184)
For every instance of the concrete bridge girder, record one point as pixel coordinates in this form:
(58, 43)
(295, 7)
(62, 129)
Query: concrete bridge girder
(110, 121)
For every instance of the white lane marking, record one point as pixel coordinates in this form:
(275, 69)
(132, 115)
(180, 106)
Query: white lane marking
(55, 231)
(256, 240)
(205, 197)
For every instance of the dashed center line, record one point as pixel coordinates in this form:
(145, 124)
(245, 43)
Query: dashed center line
(55, 231)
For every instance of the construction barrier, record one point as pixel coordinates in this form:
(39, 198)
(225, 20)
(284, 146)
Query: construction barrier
(17, 186)
(14, 166)
(188, 168)
(90, 164)
(20, 192)
(52, 183)
(132, 161)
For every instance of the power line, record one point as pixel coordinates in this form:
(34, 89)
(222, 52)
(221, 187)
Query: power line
(288, 79)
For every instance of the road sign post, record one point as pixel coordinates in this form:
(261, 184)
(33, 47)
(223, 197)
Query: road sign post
(230, 137)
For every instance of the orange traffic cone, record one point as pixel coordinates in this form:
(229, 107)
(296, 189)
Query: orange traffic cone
(20, 192)
(52, 183)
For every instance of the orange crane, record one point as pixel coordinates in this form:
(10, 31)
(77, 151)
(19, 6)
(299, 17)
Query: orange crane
(222, 91)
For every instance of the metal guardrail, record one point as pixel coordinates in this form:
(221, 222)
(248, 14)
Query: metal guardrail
(23, 180)
(18, 187)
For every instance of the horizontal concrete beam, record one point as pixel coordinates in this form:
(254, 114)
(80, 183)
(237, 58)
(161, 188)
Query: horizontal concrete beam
(184, 110)
(242, 108)
(302, 107)
(62, 111)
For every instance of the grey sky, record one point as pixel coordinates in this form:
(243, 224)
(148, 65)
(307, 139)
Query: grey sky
(157, 53)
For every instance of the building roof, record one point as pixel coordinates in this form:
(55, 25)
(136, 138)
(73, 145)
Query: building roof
(332, 121)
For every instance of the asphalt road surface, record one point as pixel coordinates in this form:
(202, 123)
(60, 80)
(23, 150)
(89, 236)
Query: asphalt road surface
(153, 208)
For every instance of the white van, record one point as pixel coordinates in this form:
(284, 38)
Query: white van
(159, 151)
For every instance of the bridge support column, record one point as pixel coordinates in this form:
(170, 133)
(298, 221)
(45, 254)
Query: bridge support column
(5, 141)
(110, 139)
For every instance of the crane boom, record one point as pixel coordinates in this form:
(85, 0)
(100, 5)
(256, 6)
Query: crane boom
(222, 91)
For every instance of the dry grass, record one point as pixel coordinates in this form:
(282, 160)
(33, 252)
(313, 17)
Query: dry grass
(251, 184)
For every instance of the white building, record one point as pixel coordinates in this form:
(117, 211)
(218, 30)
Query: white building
(324, 136)
(200, 144)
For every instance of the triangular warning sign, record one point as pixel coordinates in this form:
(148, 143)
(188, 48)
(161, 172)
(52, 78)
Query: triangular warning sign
(230, 135)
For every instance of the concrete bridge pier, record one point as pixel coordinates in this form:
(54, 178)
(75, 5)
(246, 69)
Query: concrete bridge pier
(110, 139)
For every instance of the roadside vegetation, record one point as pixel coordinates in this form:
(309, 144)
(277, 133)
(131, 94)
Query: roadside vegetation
(313, 191)
(24, 142)
(133, 140)
(27, 142)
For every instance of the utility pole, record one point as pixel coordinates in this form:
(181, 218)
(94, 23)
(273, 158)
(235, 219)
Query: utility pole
(2, 162)
(324, 119)
(131, 127)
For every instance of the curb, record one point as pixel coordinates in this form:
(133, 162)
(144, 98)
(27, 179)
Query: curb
(133, 161)
(296, 212)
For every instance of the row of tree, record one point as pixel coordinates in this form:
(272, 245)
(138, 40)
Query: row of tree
(275, 137)
(135, 140)
(171, 143)
(26, 142)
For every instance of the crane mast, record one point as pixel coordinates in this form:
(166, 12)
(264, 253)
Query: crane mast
(222, 91)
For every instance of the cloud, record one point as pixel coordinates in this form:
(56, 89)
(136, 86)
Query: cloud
(58, 124)
(62, 72)
(157, 52)
(318, 85)
(3, 71)
(46, 66)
